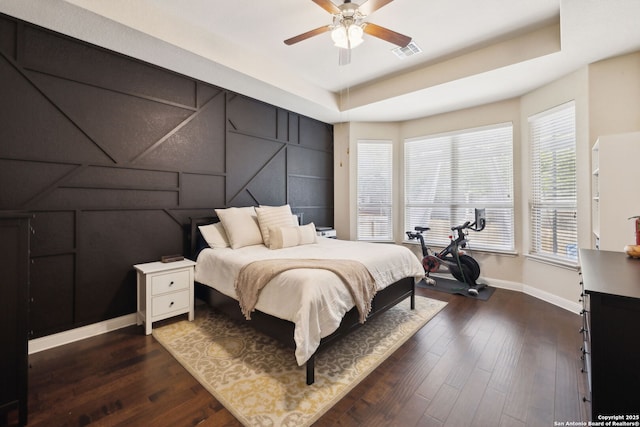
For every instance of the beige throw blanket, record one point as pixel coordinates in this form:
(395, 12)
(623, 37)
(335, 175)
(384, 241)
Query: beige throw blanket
(254, 276)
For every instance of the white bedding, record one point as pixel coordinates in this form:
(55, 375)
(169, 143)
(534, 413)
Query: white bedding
(314, 300)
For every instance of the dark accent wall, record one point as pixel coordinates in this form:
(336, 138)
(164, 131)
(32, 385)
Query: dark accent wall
(114, 155)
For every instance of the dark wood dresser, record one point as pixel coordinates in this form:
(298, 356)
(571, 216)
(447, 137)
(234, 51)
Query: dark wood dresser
(611, 351)
(15, 232)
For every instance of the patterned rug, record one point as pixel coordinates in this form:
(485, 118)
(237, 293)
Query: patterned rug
(259, 381)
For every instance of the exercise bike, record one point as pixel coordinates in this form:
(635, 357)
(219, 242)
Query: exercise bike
(461, 266)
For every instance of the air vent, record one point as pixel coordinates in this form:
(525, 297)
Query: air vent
(409, 50)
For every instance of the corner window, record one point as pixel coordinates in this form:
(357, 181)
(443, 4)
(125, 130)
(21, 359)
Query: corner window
(375, 190)
(553, 203)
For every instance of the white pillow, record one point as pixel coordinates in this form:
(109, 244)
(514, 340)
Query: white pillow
(308, 234)
(286, 237)
(241, 226)
(214, 235)
(272, 217)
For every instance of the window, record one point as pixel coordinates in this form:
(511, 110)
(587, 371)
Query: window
(447, 176)
(553, 205)
(375, 190)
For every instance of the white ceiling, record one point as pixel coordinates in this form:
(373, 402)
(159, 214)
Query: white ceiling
(473, 52)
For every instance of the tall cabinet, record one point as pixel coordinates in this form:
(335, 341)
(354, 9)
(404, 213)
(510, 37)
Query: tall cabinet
(615, 196)
(15, 230)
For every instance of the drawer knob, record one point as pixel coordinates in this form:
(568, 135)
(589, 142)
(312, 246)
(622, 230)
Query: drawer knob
(171, 284)
(171, 305)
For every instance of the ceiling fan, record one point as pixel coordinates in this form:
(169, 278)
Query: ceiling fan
(349, 25)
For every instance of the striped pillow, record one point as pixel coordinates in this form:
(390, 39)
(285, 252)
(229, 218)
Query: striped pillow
(273, 217)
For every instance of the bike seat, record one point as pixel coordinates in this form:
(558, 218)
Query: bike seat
(422, 228)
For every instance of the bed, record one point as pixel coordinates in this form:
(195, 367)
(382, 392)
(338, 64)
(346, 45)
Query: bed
(292, 307)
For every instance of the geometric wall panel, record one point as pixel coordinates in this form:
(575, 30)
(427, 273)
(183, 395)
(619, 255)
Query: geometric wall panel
(315, 134)
(252, 117)
(123, 125)
(115, 177)
(108, 241)
(16, 191)
(98, 198)
(51, 289)
(253, 154)
(56, 233)
(49, 53)
(7, 38)
(196, 145)
(310, 162)
(269, 187)
(202, 190)
(309, 192)
(39, 130)
(113, 156)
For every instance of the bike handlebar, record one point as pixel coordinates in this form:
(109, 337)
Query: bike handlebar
(461, 227)
(467, 225)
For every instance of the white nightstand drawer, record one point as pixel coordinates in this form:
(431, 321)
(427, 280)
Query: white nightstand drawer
(169, 282)
(168, 303)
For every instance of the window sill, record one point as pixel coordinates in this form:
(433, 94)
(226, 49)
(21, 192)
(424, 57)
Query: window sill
(469, 249)
(554, 262)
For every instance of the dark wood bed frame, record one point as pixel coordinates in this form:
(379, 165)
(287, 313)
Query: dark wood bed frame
(282, 330)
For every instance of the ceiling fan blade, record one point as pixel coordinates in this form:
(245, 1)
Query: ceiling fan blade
(307, 35)
(386, 34)
(328, 6)
(370, 6)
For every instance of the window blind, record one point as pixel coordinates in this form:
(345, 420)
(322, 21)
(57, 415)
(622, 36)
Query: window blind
(446, 176)
(375, 190)
(553, 205)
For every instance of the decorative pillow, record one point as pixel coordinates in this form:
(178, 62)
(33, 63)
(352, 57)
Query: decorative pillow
(241, 226)
(214, 235)
(308, 234)
(286, 237)
(272, 217)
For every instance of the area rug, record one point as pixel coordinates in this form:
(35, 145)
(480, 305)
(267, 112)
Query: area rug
(258, 380)
(451, 286)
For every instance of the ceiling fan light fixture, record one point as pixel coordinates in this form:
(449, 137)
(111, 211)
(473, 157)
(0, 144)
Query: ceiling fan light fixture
(347, 36)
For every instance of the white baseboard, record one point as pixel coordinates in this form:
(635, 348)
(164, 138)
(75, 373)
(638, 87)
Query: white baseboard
(572, 306)
(39, 344)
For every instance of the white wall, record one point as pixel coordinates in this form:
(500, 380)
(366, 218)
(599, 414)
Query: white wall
(607, 96)
(614, 96)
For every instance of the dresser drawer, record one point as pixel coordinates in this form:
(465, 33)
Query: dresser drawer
(168, 303)
(169, 282)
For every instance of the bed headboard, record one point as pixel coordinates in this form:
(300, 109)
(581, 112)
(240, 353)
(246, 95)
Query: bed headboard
(196, 241)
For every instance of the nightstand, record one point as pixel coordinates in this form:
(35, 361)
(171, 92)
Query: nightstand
(165, 289)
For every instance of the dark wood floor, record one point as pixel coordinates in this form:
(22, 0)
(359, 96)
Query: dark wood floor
(510, 361)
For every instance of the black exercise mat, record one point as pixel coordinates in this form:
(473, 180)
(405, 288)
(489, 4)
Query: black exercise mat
(452, 286)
